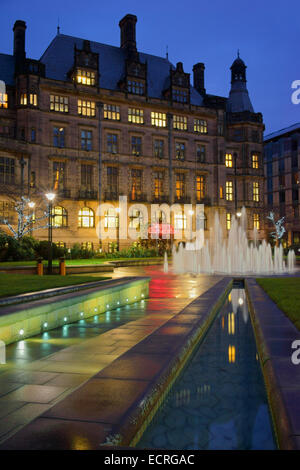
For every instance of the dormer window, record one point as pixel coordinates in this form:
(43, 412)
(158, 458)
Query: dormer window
(85, 77)
(181, 96)
(135, 87)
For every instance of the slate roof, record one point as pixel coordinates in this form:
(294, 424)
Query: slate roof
(7, 69)
(59, 56)
(282, 132)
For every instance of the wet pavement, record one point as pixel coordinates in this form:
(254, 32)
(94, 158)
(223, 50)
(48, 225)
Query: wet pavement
(42, 370)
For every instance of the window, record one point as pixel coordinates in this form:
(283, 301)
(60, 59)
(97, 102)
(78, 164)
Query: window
(59, 170)
(136, 146)
(86, 218)
(180, 123)
(221, 192)
(59, 103)
(59, 217)
(23, 99)
(181, 96)
(256, 223)
(295, 195)
(137, 88)
(158, 148)
(281, 196)
(228, 160)
(111, 219)
(229, 191)
(33, 99)
(7, 211)
(60, 244)
(158, 184)
(59, 137)
(180, 150)
(110, 111)
(180, 185)
(3, 100)
(201, 153)
(255, 163)
(295, 177)
(200, 126)
(112, 180)
(86, 140)
(136, 116)
(180, 221)
(33, 134)
(112, 143)
(255, 136)
(85, 78)
(86, 176)
(158, 119)
(7, 170)
(255, 191)
(86, 108)
(136, 184)
(228, 221)
(200, 187)
(136, 220)
(88, 246)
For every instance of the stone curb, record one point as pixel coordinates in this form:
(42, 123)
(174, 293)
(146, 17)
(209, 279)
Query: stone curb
(274, 334)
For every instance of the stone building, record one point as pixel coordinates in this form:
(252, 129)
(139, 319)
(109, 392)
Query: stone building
(281, 160)
(91, 122)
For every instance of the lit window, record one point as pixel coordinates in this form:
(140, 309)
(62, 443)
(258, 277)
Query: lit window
(200, 125)
(112, 112)
(136, 116)
(158, 184)
(136, 146)
(88, 246)
(86, 108)
(231, 323)
(23, 99)
(200, 187)
(180, 150)
(255, 191)
(180, 185)
(85, 78)
(112, 143)
(59, 171)
(137, 88)
(86, 218)
(33, 99)
(231, 354)
(3, 100)
(59, 217)
(136, 184)
(256, 223)
(59, 103)
(111, 219)
(180, 221)
(255, 161)
(158, 119)
(180, 123)
(221, 192)
(228, 160)
(86, 140)
(136, 220)
(181, 96)
(229, 191)
(228, 220)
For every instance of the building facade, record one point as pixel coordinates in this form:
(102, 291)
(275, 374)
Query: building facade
(92, 122)
(281, 160)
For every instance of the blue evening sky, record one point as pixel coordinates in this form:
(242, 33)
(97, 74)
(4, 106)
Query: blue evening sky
(266, 32)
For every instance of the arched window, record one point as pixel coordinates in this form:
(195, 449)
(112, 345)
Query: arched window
(59, 216)
(86, 218)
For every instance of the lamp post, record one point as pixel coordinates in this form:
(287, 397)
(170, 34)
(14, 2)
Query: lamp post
(118, 210)
(50, 197)
(31, 205)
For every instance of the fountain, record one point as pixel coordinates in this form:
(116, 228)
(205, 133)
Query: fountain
(234, 255)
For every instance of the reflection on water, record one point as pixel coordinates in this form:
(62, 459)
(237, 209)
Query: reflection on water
(219, 401)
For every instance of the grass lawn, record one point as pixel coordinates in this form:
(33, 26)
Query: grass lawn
(14, 284)
(286, 294)
(69, 262)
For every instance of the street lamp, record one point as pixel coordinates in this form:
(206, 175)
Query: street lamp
(118, 210)
(31, 205)
(239, 214)
(50, 197)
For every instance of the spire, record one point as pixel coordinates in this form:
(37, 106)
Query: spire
(58, 27)
(238, 100)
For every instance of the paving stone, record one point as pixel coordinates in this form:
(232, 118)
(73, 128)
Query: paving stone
(35, 393)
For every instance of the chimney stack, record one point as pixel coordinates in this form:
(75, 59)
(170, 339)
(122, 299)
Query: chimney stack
(19, 40)
(128, 39)
(198, 71)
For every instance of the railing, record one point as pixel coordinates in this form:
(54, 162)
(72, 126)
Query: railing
(87, 194)
(160, 199)
(137, 198)
(183, 199)
(111, 195)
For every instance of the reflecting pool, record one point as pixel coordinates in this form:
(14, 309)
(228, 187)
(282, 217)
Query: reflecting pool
(219, 400)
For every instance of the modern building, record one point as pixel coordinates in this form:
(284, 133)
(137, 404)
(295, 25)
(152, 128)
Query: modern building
(281, 160)
(91, 122)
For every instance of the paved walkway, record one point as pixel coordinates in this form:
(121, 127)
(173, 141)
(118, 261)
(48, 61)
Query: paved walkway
(42, 370)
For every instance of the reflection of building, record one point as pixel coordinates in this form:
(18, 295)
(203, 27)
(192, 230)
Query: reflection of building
(93, 122)
(281, 150)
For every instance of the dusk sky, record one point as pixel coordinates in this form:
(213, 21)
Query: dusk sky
(266, 33)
